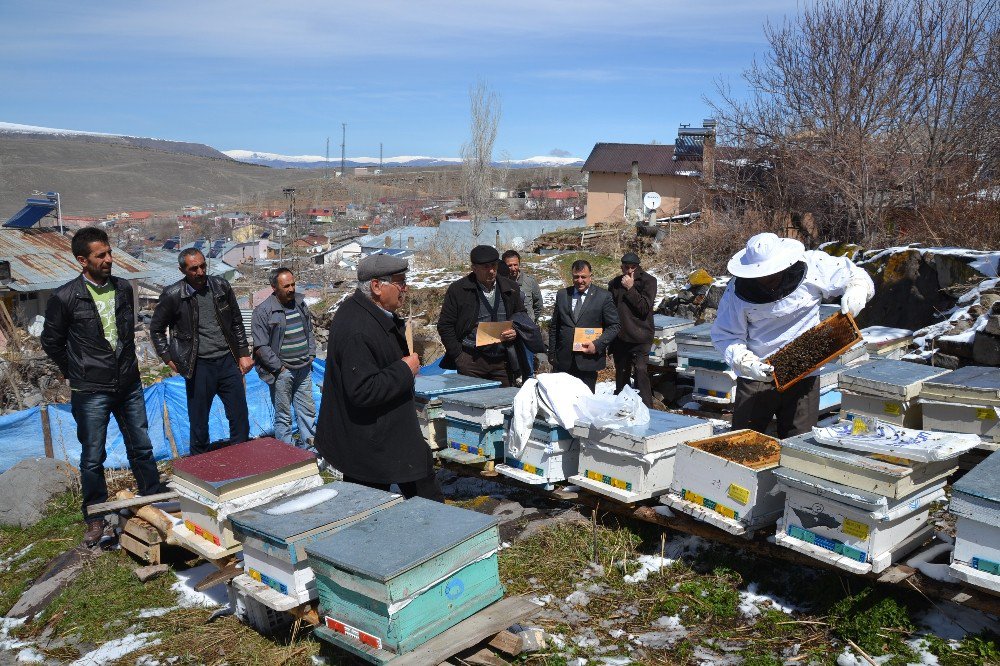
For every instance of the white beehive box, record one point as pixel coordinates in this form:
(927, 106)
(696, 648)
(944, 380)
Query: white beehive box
(551, 454)
(973, 419)
(975, 500)
(885, 342)
(665, 331)
(715, 386)
(712, 486)
(428, 390)
(637, 463)
(484, 407)
(964, 401)
(887, 390)
(851, 529)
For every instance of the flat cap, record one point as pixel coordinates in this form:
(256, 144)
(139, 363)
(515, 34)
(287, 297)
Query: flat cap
(380, 265)
(630, 258)
(484, 254)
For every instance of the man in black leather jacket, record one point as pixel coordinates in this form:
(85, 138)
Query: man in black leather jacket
(89, 333)
(207, 346)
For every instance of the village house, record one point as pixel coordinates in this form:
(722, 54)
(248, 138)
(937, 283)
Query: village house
(675, 172)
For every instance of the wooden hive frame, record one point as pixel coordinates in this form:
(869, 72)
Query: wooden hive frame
(841, 323)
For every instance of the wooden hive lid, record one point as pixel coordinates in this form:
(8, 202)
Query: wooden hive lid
(350, 501)
(970, 379)
(490, 398)
(229, 465)
(863, 462)
(981, 482)
(434, 386)
(660, 423)
(399, 538)
(889, 377)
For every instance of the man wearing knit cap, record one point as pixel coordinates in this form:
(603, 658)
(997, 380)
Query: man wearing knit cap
(481, 296)
(368, 425)
(634, 293)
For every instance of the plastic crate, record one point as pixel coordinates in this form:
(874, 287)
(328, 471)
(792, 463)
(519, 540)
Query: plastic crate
(256, 615)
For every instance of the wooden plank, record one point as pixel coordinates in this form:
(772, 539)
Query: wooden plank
(487, 622)
(484, 657)
(169, 432)
(142, 530)
(508, 643)
(144, 551)
(142, 500)
(229, 570)
(47, 432)
(896, 573)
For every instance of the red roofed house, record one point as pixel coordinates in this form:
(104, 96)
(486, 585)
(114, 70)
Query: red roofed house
(673, 172)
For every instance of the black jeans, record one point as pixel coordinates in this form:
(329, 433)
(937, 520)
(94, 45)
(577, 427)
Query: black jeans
(797, 409)
(427, 488)
(217, 377)
(92, 411)
(631, 356)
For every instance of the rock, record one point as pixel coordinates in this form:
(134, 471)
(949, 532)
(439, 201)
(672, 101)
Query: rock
(532, 640)
(992, 325)
(32, 399)
(987, 301)
(27, 487)
(947, 361)
(955, 348)
(986, 349)
(152, 571)
(908, 289)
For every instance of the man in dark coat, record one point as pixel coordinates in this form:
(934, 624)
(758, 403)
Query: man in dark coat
(368, 425)
(634, 293)
(480, 296)
(583, 305)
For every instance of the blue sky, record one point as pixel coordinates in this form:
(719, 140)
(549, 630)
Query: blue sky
(281, 77)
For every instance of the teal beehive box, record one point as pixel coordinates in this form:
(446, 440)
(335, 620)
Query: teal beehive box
(398, 578)
(274, 535)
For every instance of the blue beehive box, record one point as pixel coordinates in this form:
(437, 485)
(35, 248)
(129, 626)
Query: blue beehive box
(428, 391)
(475, 424)
(398, 578)
(274, 535)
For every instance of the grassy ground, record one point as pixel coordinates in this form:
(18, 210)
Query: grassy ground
(595, 609)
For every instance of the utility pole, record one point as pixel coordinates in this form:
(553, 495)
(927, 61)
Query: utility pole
(343, 144)
(289, 193)
(326, 173)
(380, 156)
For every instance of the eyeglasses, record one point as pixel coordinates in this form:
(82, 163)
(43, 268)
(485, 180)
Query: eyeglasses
(398, 282)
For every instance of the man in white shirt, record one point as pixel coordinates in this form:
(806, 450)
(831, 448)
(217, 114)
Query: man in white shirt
(774, 298)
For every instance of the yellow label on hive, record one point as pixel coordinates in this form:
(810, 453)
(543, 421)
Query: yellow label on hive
(725, 511)
(531, 469)
(738, 493)
(985, 414)
(694, 497)
(855, 529)
(892, 408)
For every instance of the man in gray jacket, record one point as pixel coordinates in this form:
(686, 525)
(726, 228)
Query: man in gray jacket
(285, 348)
(530, 291)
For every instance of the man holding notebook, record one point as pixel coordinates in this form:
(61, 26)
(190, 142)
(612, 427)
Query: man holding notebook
(584, 323)
(475, 324)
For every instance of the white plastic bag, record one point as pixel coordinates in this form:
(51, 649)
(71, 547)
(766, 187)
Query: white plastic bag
(613, 411)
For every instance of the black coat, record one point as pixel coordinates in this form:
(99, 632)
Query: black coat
(73, 338)
(368, 425)
(177, 311)
(635, 307)
(460, 313)
(597, 311)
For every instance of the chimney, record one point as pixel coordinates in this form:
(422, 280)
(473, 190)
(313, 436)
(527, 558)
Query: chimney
(708, 153)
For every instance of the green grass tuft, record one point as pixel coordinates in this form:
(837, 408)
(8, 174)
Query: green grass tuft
(872, 619)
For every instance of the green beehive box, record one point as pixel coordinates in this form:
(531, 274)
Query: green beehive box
(398, 578)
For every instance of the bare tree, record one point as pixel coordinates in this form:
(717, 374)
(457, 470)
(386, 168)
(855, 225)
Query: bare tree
(478, 174)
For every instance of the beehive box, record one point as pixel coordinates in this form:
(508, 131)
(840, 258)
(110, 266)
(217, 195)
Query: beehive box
(884, 342)
(665, 331)
(839, 525)
(274, 535)
(727, 481)
(696, 342)
(637, 463)
(403, 575)
(475, 424)
(975, 500)
(963, 418)
(427, 392)
(973, 384)
(716, 386)
(856, 355)
(214, 484)
(863, 471)
(551, 454)
(811, 350)
(887, 390)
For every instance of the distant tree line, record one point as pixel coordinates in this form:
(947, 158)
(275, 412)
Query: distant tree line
(878, 118)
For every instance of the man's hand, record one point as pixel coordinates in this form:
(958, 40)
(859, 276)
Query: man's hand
(246, 364)
(854, 299)
(509, 335)
(413, 361)
(628, 281)
(750, 366)
(588, 348)
(173, 367)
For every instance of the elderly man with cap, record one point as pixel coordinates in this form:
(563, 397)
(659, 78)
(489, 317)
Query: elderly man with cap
(772, 300)
(368, 425)
(634, 293)
(481, 296)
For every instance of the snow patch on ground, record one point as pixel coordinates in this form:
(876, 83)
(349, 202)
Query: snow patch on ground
(578, 598)
(188, 597)
(951, 621)
(648, 564)
(116, 649)
(669, 631)
(751, 602)
(6, 562)
(156, 612)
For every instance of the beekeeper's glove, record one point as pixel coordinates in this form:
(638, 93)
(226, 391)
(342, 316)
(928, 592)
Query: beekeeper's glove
(854, 299)
(748, 365)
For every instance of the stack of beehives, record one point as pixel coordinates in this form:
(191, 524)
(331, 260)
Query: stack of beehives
(428, 390)
(475, 424)
(886, 390)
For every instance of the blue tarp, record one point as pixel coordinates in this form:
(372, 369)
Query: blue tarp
(21, 437)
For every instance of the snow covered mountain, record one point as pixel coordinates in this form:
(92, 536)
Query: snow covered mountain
(318, 161)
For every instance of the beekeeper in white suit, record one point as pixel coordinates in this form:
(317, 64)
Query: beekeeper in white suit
(773, 298)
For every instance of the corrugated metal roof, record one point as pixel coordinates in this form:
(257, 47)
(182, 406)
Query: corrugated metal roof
(653, 159)
(41, 259)
(163, 268)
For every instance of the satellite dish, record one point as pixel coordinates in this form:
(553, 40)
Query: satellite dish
(518, 243)
(651, 201)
